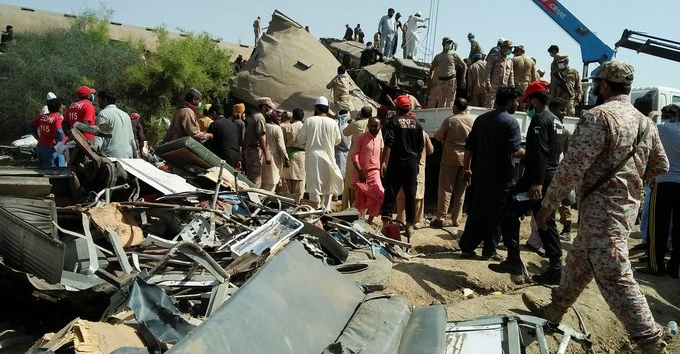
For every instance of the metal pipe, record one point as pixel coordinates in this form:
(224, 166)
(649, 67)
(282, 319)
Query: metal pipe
(107, 193)
(217, 186)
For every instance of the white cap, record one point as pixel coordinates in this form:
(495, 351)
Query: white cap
(419, 14)
(501, 40)
(51, 96)
(321, 101)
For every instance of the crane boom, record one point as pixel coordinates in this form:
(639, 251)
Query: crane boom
(643, 43)
(593, 50)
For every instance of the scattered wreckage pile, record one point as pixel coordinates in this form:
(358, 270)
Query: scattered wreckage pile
(141, 260)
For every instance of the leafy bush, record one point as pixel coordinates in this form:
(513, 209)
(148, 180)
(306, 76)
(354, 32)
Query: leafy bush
(160, 81)
(61, 60)
(58, 60)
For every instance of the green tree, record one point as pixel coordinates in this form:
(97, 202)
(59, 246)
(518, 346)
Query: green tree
(59, 60)
(159, 82)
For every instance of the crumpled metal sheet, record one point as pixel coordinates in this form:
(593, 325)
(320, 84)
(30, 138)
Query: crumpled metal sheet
(166, 183)
(293, 304)
(26, 248)
(37, 212)
(155, 311)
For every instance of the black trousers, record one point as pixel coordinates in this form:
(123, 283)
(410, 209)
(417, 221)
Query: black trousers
(664, 207)
(510, 226)
(483, 227)
(401, 174)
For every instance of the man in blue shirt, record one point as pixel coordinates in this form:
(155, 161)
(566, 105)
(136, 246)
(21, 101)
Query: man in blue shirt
(122, 143)
(493, 142)
(664, 213)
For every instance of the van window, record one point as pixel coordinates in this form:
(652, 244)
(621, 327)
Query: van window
(663, 100)
(639, 95)
(676, 100)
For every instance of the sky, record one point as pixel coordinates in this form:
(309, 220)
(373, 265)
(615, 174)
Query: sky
(518, 20)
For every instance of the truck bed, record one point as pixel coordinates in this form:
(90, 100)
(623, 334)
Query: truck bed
(432, 118)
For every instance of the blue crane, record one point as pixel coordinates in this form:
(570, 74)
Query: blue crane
(593, 50)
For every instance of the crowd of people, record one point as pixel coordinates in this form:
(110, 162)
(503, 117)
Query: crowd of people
(477, 76)
(375, 162)
(127, 140)
(386, 39)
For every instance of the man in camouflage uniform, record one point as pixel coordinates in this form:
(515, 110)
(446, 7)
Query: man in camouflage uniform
(604, 137)
(476, 78)
(499, 72)
(566, 84)
(443, 81)
(475, 48)
(524, 69)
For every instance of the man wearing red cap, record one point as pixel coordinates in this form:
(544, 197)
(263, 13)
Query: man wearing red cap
(404, 144)
(540, 163)
(82, 110)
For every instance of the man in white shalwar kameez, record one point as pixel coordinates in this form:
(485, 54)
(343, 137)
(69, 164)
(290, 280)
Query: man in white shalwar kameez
(411, 36)
(320, 134)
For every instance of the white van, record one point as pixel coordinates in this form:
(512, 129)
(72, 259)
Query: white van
(658, 95)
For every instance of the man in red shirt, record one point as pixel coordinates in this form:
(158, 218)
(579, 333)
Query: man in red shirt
(82, 110)
(49, 132)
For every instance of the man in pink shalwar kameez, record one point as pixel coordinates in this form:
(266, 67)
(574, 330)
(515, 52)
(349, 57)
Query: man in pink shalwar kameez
(368, 189)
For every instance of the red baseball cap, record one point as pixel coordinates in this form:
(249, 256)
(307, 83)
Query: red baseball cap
(134, 115)
(534, 87)
(402, 102)
(84, 91)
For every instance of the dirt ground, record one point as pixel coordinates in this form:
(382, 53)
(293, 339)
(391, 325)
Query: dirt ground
(439, 275)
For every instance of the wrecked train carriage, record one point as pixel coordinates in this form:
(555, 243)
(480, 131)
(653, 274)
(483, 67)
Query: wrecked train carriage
(390, 77)
(394, 77)
(292, 68)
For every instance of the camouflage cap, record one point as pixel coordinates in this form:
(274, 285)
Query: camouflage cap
(507, 42)
(615, 71)
(561, 57)
(447, 39)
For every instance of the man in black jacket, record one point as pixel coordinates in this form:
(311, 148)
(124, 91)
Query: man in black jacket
(540, 163)
(370, 55)
(226, 141)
